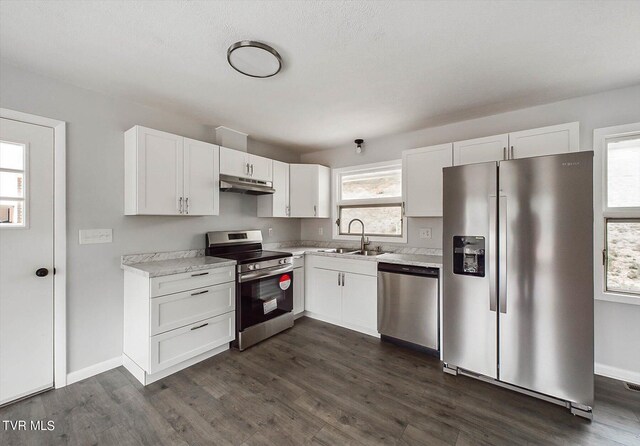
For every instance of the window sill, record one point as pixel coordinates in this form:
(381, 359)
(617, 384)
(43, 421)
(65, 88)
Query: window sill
(352, 238)
(619, 298)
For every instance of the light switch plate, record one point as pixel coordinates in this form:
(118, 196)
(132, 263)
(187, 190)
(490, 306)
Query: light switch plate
(425, 233)
(92, 236)
(270, 232)
(320, 230)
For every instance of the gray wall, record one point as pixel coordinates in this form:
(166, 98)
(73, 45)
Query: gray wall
(617, 325)
(95, 126)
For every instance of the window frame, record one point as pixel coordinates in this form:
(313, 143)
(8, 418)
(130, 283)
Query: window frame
(337, 203)
(25, 187)
(602, 212)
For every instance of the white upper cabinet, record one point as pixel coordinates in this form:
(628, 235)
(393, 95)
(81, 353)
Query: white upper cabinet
(261, 168)
(234, 162)
(550, 140)
(201, 178)
(481, 150)
(163, 170)
(277, 204)
(309, 190)
(245, 165)
(422, 179)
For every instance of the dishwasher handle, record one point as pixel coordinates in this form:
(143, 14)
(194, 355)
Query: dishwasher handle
(408, 269)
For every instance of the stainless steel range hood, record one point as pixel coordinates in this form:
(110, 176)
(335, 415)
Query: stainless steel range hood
(248, 186)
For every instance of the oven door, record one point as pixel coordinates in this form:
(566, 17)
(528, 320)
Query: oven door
(264, 295)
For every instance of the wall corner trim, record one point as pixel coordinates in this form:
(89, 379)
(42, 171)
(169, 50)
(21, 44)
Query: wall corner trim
(617, 373)
(94, 369)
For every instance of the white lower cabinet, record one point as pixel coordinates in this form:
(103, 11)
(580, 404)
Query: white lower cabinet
(174, 321)
(342, 292)
(298, 285)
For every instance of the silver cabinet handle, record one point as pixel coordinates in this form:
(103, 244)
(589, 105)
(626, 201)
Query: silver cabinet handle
(493, 250)
(247, 166)
(511, 154)
(186, 202)
(502, 243)
(251, 169)
(200, 292)
(200, 326)
(315, 210)
(343, 276)
(180, 205)
(404, 214)
(339, 274)
(504, 153)
(199, 274)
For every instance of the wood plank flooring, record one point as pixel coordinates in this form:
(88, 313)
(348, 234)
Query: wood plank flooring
(316, 384)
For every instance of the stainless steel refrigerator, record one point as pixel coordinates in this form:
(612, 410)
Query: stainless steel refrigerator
(518, 275)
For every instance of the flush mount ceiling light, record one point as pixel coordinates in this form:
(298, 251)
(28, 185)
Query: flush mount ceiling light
(254, 59)
(359, 145)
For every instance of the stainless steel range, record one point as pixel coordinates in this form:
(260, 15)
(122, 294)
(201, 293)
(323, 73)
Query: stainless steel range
(264, 285)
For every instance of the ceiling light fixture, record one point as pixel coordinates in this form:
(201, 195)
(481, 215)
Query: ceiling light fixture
(254, 59)
(359, 145)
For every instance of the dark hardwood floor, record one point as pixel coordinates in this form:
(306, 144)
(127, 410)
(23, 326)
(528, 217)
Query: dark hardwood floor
(316, 384)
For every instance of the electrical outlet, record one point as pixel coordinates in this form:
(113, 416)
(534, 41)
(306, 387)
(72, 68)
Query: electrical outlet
(425, 233)
(270, 232)
(320, 230)
(91, 236)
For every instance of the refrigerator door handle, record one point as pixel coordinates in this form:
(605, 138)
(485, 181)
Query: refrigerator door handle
(493, 251)
(502, 243)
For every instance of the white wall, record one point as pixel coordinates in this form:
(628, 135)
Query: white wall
(617, 325)
(95, 126)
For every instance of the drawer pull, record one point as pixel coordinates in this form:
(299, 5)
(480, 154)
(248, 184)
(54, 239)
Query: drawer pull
(200, 326)
(200, 292)
(199, 274)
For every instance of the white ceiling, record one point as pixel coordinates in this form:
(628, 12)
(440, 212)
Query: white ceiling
(351, 69)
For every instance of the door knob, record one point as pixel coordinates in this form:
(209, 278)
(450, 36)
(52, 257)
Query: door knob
(42, 272)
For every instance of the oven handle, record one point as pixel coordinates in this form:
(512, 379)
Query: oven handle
(245, 277)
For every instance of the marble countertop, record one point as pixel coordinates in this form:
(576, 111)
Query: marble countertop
(176, 266)
(405, 259)
(411, 259)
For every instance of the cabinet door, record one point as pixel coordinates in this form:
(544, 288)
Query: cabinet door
(298, 290)
(303, 190)
(309, 191)
(159, 172)
(260, 168)
(545, 141)
(277, 204)
(201, 178)
(360, 301)
(234, 162)
(422, 179)
(323, 293)
(481, 150)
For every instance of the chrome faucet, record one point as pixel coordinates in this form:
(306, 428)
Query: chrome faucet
(364, 241)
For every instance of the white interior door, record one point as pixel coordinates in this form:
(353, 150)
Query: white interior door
(26, 259)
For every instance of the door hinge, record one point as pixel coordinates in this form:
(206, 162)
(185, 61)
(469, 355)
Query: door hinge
(338, 222)
(604, 256)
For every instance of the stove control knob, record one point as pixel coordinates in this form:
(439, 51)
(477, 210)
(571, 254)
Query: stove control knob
(250, 267)
(283, 261)
(256, 266)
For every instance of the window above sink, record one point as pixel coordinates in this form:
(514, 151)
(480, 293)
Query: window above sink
(373, 194)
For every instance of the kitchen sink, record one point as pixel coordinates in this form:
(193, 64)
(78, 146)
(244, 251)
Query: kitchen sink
(367, 253)
(340, 250)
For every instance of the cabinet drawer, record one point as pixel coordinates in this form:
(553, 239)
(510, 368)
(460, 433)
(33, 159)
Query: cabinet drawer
(176, 283)
(176, 310)
(175, 346)
(298, 261)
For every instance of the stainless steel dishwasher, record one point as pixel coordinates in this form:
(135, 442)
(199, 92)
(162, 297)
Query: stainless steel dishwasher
(408, 305)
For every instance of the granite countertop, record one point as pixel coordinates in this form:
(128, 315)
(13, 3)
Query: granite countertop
(411, 259)
(176, 266)
(405, 259)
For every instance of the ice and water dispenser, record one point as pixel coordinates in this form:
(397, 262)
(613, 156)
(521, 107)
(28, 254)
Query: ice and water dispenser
(468, 255)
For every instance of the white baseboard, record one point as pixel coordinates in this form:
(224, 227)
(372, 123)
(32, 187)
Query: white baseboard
(616, 373)
(93, 370)
(339, 323)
